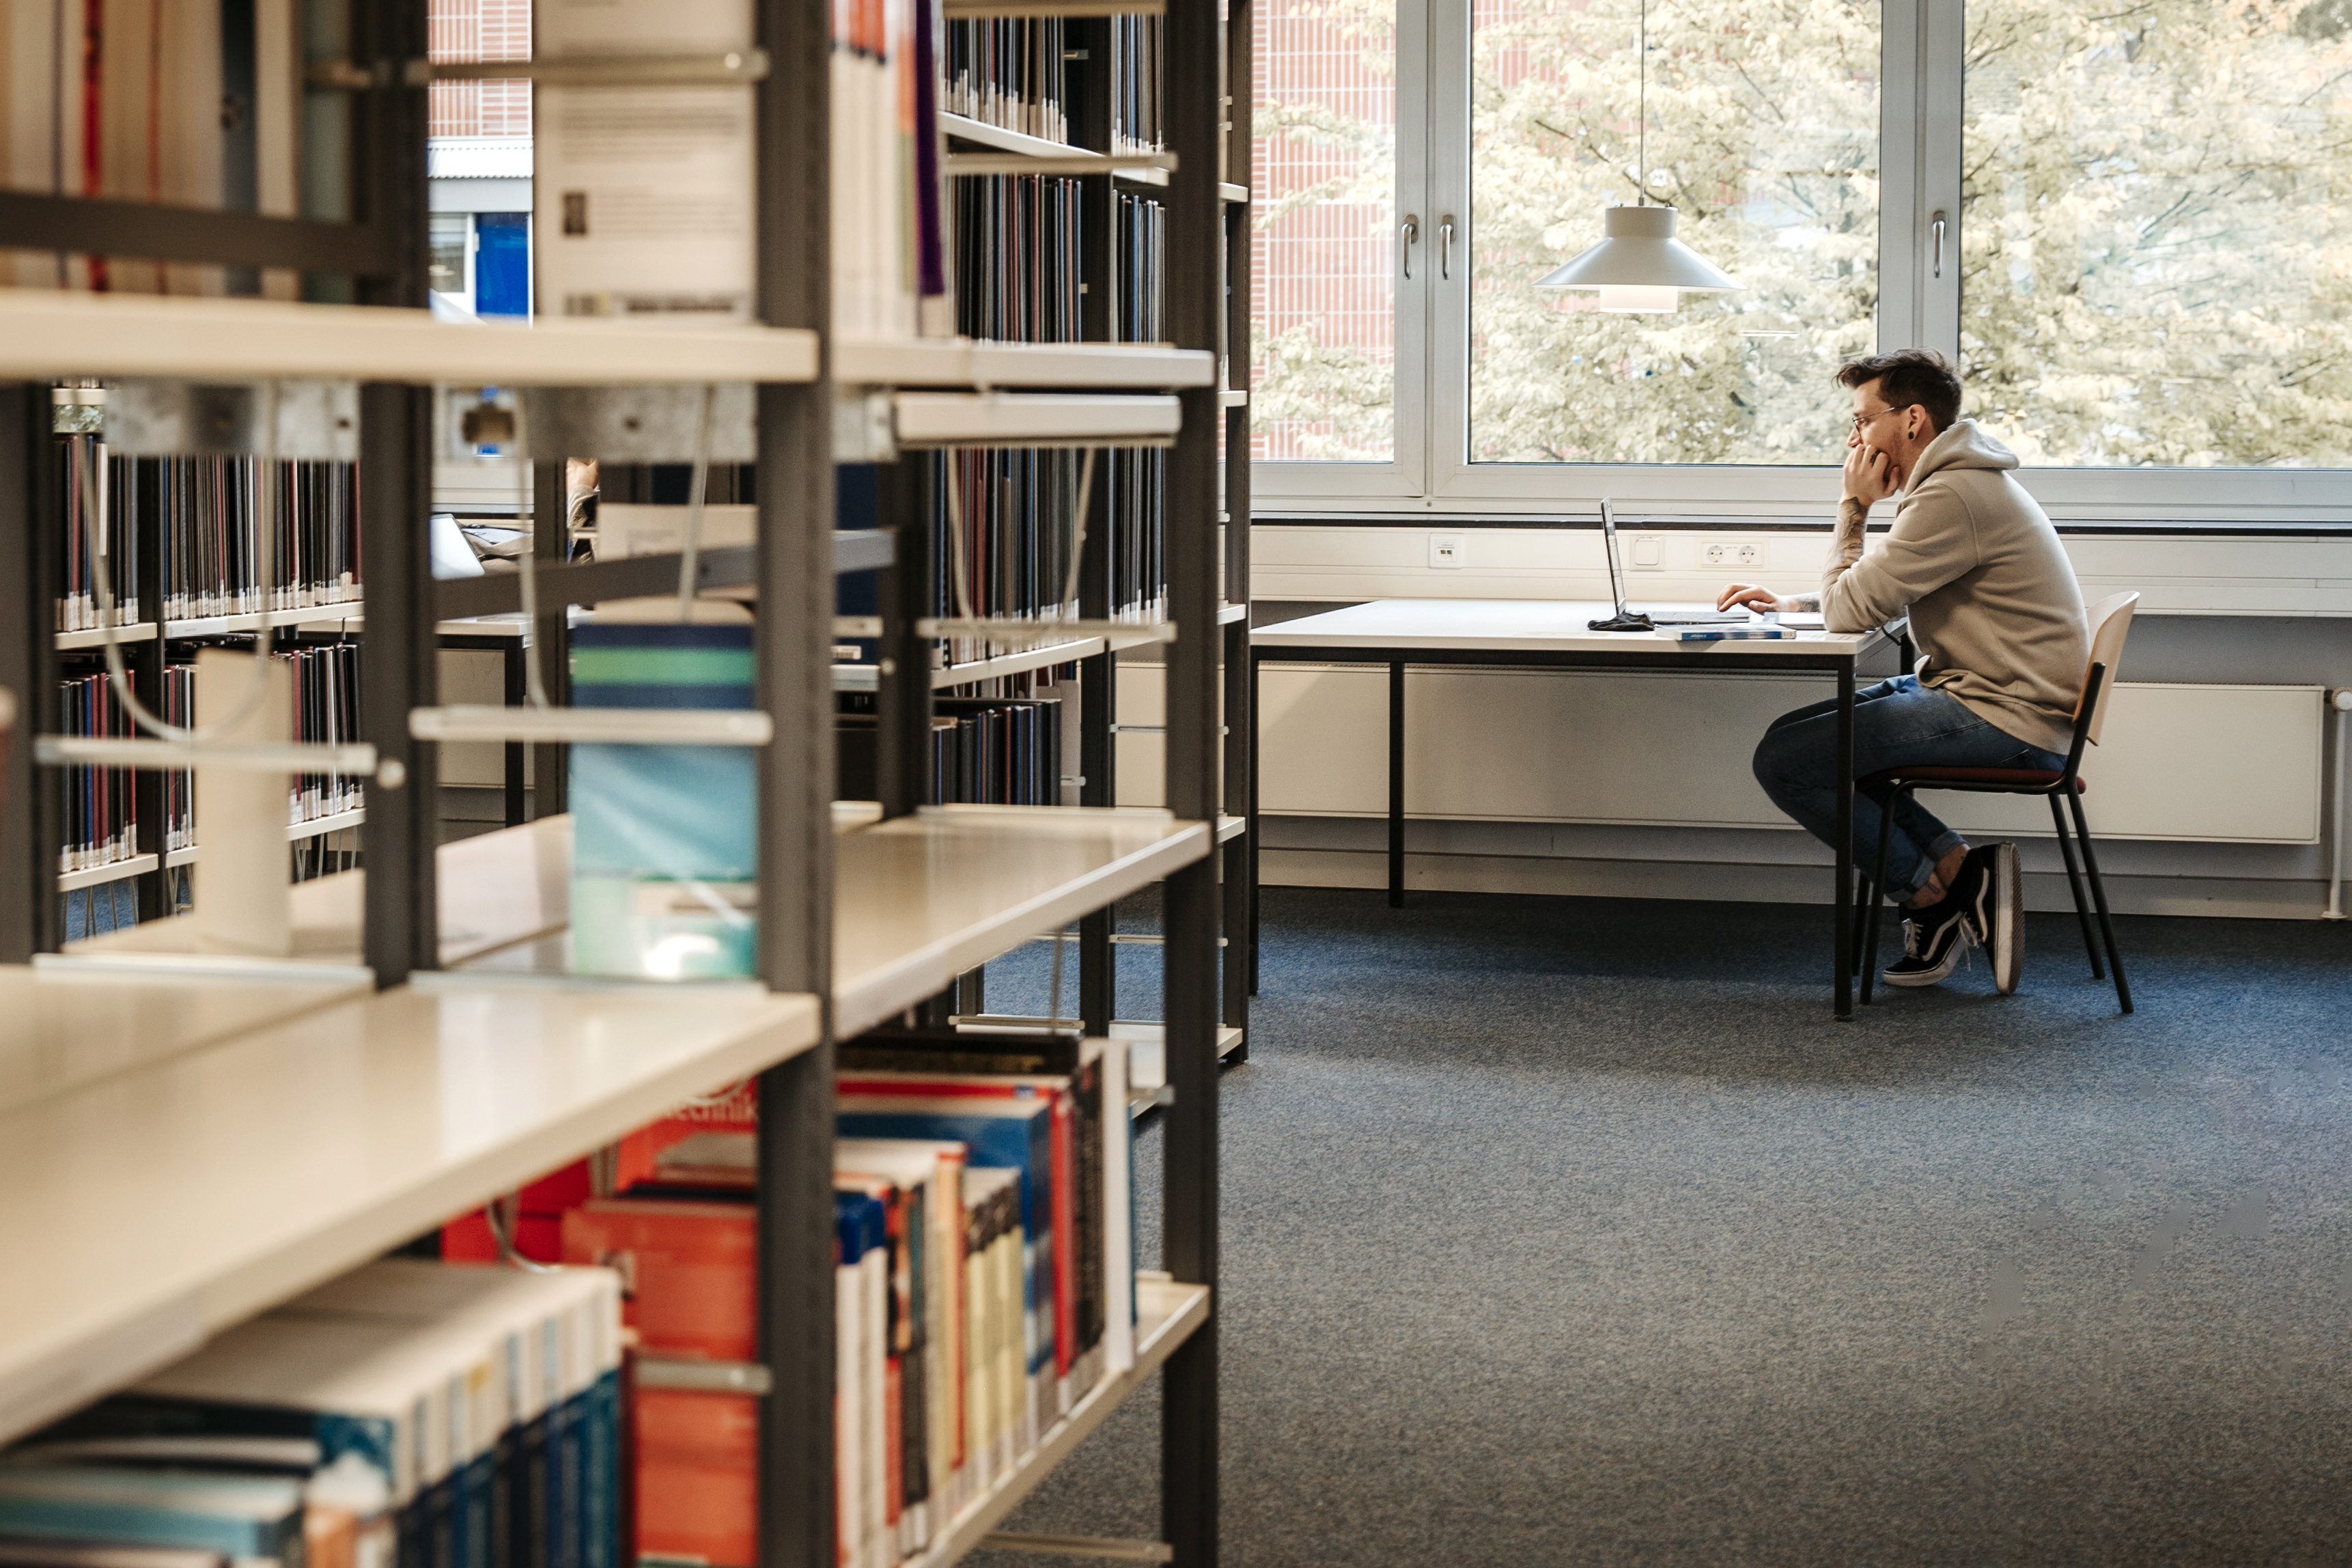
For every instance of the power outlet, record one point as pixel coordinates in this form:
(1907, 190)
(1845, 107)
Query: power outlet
(1721, 555)
(1445, 550)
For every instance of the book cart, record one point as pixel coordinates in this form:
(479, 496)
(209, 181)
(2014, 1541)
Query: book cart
(188, 1140)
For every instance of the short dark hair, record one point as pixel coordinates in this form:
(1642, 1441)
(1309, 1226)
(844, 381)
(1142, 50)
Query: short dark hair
(1910, 375)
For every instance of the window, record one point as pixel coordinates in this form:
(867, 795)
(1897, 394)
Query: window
(450, 238)
(1762, 132)
(2115, 215)
(1324, 224)
(2155, 265)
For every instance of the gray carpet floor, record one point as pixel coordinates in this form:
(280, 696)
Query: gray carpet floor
(1573, 1230)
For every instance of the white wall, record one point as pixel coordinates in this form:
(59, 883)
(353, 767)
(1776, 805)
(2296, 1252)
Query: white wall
(2212, 794)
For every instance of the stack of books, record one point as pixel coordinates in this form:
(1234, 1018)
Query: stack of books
(409, 1414)
(984, 1283)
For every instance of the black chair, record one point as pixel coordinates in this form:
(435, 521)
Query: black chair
(2110, 620)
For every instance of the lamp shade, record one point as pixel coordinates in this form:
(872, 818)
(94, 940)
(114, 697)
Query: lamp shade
(1638, 249)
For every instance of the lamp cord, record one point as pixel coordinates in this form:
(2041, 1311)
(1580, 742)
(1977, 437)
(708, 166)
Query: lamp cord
(1642, 133)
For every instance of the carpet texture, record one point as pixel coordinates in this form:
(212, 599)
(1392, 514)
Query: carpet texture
(1567, 1230)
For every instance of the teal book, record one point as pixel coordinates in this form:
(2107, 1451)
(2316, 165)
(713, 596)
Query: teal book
(237, 1516)
(665, 864)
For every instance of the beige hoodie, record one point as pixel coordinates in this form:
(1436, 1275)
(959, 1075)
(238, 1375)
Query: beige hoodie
(1995, 611)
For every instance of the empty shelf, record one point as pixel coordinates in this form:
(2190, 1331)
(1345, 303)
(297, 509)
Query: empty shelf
(919, 900)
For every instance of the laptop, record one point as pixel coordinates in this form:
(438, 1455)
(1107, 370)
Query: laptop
(1630, 620)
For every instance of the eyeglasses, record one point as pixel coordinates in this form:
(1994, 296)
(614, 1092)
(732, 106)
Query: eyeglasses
(1862, 419)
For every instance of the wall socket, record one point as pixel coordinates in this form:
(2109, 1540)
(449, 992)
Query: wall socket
(1719, 554)
(1445, 550)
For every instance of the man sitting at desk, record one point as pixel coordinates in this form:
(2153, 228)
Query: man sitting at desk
(1998, 620)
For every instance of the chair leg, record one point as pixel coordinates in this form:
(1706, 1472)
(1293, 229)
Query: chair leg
(2075, 881)
(1877, 886)
(1864, 896)
(2099, 896)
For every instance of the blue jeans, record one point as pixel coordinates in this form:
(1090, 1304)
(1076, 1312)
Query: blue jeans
(1896, 723)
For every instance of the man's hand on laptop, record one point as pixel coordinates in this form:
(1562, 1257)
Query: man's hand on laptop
(1749, 596)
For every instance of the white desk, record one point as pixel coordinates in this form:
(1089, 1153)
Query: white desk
(1549, 634)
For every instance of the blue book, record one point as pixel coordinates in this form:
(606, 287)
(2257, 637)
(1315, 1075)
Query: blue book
(238, 1516)
(1012, 1132)
(665, 863)
(1753, 631)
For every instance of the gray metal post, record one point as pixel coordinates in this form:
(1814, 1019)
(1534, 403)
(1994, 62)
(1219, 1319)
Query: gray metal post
(1188, 1419)
(1241, 718)
(794, 685)
(550, 545)
(902, 721)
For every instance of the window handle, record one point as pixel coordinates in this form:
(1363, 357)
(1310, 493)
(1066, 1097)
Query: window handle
(1407, 233)
(1937, 224)
(1445, 247)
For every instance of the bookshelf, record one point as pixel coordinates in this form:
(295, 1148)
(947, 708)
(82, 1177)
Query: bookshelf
(260, 1125)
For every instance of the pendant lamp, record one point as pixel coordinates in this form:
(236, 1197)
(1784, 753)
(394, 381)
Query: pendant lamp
(1639, 266)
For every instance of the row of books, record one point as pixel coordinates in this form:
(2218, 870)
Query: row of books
(986, 750)
(409, 1414)
(985, 1281)
(89, 489)
(1017, 258)
(101, 810)
(102, 825)
(1139, 480)
(889, 277)
(208, 513)
(1134, 107)
(1012, 72)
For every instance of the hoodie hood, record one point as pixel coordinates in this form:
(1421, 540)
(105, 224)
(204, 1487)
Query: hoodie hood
(1964, 445)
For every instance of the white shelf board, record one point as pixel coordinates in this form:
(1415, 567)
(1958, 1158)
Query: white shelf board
(963, 128)
(1231, 827)
(865, 676)
(95, 636)
(496, 889)
(1141, 177)
(295, 833)
(919, 900)
(46, 333)
(1036, 419)
(979, 362)
(1237, 195)
(1229, 614)
(1232, 399)
(1167, 1314)
(96, 876)
(63, 1029)
(343, 613)
(165, 1204)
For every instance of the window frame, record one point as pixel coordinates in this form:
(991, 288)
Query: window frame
(1921, 114)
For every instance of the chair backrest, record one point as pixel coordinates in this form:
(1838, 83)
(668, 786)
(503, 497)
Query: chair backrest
(2109, 620)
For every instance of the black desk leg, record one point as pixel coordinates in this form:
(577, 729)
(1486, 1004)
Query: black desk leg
(1255, 762)
(1396, 784)
(1843, 899)
(517, 694)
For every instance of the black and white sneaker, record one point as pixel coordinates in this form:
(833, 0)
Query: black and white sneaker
(1998, 912)
(1934, 941)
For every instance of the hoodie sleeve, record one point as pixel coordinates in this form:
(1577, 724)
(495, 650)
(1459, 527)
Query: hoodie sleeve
(1934, 540)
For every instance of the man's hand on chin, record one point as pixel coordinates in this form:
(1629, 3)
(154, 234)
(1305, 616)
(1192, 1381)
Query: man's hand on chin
(1871, 475)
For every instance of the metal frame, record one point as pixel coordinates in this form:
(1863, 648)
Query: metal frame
(2066, 782)
(1839, 665)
